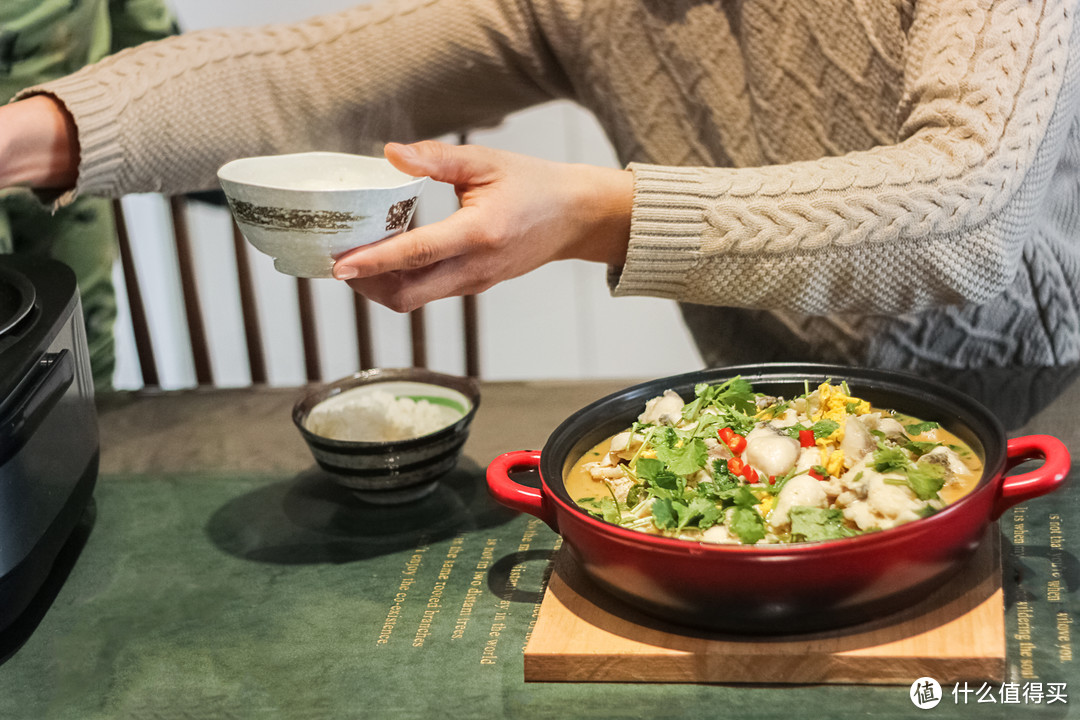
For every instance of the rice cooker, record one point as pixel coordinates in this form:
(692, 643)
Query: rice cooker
(48, 424)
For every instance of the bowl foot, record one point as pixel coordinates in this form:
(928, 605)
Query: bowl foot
(397, 496)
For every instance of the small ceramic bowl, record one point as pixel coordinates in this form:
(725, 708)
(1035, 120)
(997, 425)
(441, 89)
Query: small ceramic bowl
(306, 209)
(345, 424)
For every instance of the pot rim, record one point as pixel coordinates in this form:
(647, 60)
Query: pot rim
(991, 436)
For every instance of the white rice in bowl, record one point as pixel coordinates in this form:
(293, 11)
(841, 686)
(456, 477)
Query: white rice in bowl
(371, 415)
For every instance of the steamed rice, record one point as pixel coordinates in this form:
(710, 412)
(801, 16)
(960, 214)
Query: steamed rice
(377, 416)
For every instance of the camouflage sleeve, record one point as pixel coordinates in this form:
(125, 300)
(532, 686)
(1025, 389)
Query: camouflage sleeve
(139, 21)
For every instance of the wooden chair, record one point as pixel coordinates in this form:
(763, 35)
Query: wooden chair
(253, 334)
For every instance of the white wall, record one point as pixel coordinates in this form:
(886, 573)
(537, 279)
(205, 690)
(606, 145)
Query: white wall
(556, 322)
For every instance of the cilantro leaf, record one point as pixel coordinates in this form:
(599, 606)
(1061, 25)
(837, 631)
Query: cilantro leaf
(713, 516)
(604, 508)
(734, 397)
(811, 524)
(722, 475)
(648, 468)
(920, 428)
(926, 479)
(748, 524)
(920, 447)
(685, 458)
(890, 459)
(741, 496)
(696, 511)
(824, 428)
(663, 514)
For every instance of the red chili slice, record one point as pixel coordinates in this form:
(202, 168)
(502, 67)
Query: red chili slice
(735, 442)
(806, 438)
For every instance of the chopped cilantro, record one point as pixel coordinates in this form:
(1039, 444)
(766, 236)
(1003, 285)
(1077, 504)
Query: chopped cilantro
(890, 459)
(683, 457)
(920, 428)
(920, 447)
(824, 428)
(663, 514)
(733, 398)
(740, 496)
(700, 512)
(636, 494)
(926, 479)
(816, 524)
(747, 523)
(604, 508)
(722, 475)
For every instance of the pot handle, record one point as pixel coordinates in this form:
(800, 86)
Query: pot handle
(513, 494)
(1045, 479)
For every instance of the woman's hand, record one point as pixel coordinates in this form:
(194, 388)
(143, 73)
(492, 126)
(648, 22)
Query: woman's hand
(517, 213)
(38, 144)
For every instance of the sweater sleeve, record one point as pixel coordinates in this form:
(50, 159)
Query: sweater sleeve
(165, 116)
(939, 217)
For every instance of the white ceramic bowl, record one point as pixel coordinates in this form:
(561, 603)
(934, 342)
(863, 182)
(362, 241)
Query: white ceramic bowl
(306, 209)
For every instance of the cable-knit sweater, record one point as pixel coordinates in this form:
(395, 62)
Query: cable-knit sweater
(884, 183)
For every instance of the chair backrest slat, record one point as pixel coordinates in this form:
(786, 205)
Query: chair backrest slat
(192, 309)
(471, 329)
(365, 348)
(144, 348)
(418, 334)
(308, 331)
(252, 329)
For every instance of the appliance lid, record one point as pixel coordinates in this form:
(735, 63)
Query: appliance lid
(17, 296)
(37, 296)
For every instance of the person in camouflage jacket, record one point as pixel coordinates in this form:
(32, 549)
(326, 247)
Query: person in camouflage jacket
(41, 40)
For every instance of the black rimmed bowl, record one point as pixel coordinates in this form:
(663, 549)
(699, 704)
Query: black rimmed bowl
(782, 588)
(394, 471)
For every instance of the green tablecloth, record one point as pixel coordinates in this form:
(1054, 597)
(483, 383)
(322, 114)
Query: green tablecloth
(280, 596)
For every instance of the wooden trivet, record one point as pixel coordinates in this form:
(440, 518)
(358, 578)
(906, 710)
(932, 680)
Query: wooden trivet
(957, 633)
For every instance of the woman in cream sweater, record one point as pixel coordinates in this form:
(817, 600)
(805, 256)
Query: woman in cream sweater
(891, 184)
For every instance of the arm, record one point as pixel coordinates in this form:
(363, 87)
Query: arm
(38, 144)
(938, 218)
(164, 116)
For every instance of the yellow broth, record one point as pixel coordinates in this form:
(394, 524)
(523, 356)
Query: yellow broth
(581, 485)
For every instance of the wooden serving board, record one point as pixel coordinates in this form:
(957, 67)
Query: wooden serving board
(582, 634)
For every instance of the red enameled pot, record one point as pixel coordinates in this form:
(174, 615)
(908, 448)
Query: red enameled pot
(778, 589)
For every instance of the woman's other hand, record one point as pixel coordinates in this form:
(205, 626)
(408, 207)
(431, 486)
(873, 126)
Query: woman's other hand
(517, 213)
(38, 144)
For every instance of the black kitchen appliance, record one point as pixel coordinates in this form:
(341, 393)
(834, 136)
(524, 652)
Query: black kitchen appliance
(48, 424)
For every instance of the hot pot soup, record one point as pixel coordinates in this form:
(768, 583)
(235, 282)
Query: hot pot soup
(739, 467)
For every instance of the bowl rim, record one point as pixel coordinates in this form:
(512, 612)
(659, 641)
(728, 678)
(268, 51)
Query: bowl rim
(993, 467)
(224, 170)
(314, 395)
